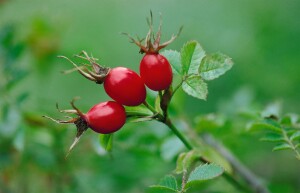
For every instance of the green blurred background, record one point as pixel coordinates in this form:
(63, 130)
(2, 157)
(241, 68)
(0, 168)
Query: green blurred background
(262, 37)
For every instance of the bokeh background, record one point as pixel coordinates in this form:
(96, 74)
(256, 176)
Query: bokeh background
(262, 37)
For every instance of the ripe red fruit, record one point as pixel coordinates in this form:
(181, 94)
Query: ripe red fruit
(155, 69)
(156, 72)
(121, 84)
(125, 86)
(106, 117)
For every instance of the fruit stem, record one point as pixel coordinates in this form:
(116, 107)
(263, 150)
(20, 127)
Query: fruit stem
(160, 95)
(169, 123)
(160, 116)
(149, 107)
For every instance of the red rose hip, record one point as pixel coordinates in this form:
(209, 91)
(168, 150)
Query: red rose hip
(106, 117)
(125, 86)
(122, 84)
(155, 69)
(156, 72)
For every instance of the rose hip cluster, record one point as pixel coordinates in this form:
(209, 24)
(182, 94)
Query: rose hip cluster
(123, 85)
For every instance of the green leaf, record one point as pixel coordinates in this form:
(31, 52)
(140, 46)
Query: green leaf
(264, 125)
(195, 87)
(174, 59)
(160, 189)
(166, 185)
(214, 65)
(295, 136)
(272, 137)
(282, 146)
(204, 172)
(273, 122)
(169, 181)
(186, 160)
(191, 55)
(106, 141)
(138, 111)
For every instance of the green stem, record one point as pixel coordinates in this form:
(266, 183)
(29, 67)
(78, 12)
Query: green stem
(189, 146)
(160, 116)
(149, 107)
(178, 134)
(294, 148)
(168, 122)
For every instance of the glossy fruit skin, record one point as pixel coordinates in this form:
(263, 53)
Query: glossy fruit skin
(106, 117)
(125, 86)
(156, 72)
